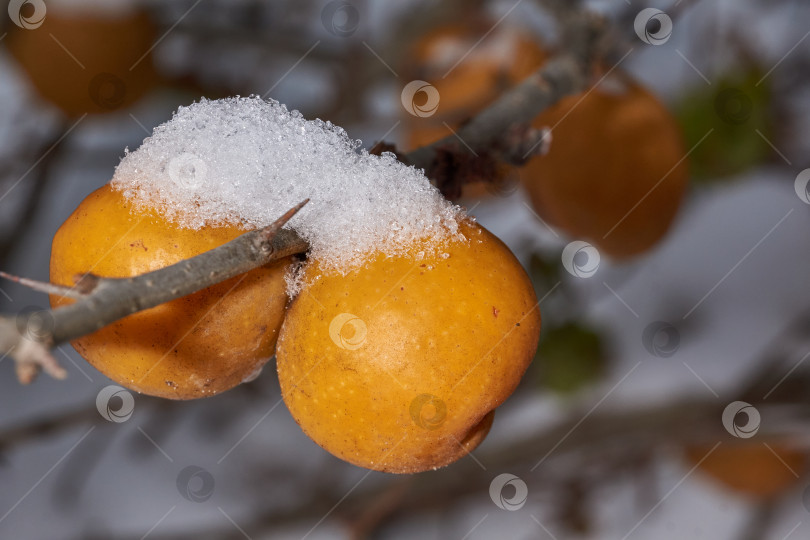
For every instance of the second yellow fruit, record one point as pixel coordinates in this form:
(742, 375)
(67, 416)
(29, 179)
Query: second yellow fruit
(616, 170)
(399, 365)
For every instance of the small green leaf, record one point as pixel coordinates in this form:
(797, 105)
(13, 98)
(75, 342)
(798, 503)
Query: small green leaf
(733, 108)
(570, 357)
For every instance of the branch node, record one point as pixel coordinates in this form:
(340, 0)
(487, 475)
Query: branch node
(522, 142)
(86, 283)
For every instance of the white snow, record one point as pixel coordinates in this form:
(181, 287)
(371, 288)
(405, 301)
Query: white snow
(247, 161)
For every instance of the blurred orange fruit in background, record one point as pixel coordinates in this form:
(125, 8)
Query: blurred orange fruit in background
(751, 469)
(615, 173)
(87, 61)
(468, 76)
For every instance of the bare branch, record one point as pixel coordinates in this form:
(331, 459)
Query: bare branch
(503, 130)
(606, 441)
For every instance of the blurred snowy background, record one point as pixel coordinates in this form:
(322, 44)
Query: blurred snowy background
(728, 281)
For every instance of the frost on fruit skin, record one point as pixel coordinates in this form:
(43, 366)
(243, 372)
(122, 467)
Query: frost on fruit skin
(246, 161)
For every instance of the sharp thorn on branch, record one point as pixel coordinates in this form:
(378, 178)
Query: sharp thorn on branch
(47, 288)
(268, 233)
